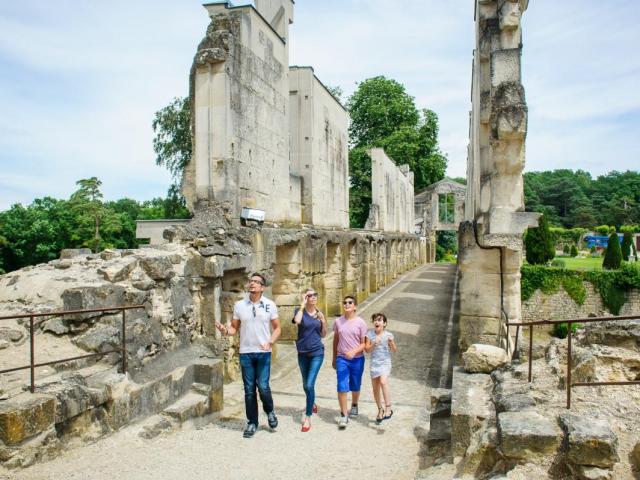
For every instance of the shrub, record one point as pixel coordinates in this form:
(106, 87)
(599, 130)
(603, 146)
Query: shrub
(539, 244)
(627, 241)
(561, 330)
(565, 249)
(558, 262)
(613, 256)
(605, 230)
(574, 251)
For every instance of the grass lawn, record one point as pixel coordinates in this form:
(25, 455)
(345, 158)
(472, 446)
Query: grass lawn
(588, 263)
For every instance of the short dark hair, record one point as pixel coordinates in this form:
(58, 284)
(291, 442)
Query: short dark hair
(379, 315)
(355, 302)
(256, 274)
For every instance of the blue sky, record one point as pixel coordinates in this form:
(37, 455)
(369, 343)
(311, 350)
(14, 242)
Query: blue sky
(80, 81)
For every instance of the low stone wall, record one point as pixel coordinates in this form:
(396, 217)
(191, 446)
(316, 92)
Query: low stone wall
(560, 306)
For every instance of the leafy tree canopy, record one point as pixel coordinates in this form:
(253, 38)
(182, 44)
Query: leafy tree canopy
(574, 199)
(38, 232)
(172, 136)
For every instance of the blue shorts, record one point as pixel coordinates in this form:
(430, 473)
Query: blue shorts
(349, 374)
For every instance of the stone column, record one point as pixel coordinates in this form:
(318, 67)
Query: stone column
(490, 242)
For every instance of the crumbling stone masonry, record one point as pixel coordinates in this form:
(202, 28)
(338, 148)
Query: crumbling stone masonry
(490, 239)
(265, 135)
(392, 205)
(438, 207)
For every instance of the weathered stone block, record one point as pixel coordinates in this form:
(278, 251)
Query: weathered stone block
(192, 405)
(440, 400)
(589, 441)
(482, 454)
(26, 417)
(481, 358)
(118, 270)
(584, 472)
(470, 405)
(55, 325)
(158, 268)
(527, 434)
(99, 339)
(74, 252)
(438, 442)
(514, 402)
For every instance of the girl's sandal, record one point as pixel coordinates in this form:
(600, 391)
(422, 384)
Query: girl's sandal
(380, 416)
(387, 417)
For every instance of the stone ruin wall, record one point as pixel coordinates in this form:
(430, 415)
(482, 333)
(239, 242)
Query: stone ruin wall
(319, 149)
(240, 93)
(560, 306)
(184, 286)
(490, 239)
(429, 209)
(266, 136)
(392, 196)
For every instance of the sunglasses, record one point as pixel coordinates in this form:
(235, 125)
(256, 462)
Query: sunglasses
(348, 302)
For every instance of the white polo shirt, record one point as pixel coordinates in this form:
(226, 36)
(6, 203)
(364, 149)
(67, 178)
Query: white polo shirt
(255, 323)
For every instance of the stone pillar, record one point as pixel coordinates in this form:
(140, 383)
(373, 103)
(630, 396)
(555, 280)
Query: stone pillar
(490, 242)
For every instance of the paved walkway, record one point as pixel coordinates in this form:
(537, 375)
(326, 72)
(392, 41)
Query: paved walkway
(420, 311)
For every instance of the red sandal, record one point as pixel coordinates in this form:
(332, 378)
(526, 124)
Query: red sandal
(307, 427)
(315, 408)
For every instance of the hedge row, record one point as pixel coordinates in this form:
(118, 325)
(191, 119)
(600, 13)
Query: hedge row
(613, 285)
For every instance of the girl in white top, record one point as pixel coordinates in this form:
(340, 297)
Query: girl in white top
(380, 343)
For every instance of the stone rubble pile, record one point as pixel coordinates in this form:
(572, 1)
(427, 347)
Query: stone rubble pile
(501, 426)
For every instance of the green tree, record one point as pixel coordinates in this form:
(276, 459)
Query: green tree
(384, 115)
(336, 91)
(627, 242)
(539, 243)
(172, 136)
(574, 251)
(613, 254)
(93, 219)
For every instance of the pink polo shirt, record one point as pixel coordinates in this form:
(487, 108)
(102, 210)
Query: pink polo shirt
(350, 333)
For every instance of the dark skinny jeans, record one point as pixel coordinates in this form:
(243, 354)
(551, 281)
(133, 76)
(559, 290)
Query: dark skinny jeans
(256, 368)
(309, 367)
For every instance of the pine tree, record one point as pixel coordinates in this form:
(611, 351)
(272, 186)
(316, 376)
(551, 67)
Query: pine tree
(613, 256)
(539, 243)
(627, 241)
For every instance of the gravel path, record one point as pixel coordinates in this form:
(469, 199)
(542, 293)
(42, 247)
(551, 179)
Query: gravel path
(419, 311)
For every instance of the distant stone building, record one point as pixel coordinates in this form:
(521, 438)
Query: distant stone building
(439, 207)
(391, 195)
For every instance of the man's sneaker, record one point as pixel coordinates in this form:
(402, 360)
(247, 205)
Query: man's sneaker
(354, 411)
(250, 430)
(273, 420)
(342, 424)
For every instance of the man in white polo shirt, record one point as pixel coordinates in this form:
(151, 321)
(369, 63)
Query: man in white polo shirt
(254, 317)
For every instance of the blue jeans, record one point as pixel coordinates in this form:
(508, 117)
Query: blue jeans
(256, 368)
(309, 367)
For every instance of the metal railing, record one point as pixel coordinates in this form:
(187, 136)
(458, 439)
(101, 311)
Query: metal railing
(33, 322)
(569, 323)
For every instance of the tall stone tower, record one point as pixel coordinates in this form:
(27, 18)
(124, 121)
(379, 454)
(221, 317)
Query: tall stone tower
(490, 239)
